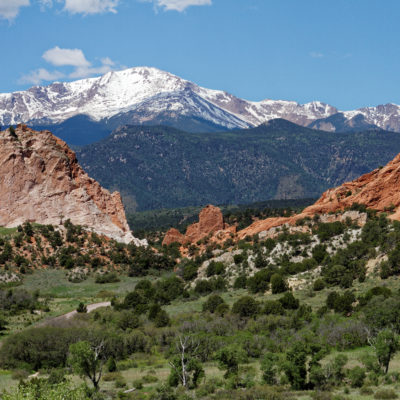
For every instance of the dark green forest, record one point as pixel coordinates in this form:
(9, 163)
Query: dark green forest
(160, 167)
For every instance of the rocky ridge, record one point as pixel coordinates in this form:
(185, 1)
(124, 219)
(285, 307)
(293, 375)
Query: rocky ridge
(41, 181)
(377, 190)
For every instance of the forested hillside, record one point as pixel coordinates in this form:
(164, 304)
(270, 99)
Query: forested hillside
(160, 167)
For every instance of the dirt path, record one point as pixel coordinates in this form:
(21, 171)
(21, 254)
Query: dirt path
(67, 316)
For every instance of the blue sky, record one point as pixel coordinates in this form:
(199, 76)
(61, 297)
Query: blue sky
(343, 52)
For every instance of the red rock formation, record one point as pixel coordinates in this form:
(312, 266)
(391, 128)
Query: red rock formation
(173, 236)
(210, 222)
(41, 181)
(378, 190)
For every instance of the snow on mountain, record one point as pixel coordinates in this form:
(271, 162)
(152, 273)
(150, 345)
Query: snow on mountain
(385, 116)
(149, 94)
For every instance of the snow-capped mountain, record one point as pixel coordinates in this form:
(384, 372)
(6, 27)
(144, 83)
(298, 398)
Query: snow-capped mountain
(145, 95)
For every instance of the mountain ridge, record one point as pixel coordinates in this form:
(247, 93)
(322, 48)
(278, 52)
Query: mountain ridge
(144, 95)
(161, 167)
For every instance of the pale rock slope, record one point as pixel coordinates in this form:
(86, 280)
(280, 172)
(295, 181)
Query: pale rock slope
(41, 181)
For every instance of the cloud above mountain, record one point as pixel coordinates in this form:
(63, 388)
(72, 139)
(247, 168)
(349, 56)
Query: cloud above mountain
(90, 6)
(180, 5)
(9, 9)
(61, 57)
(67, 58)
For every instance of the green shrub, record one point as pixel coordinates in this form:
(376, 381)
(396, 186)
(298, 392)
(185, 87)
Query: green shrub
(162, 319)
(212, 303)
(318, 285)
(238, 258)
(138, 384)
(81, 308)
(259, 282)
(128, 320)
(357, 376)
(385, 394)
(222, 309)
(289, 302)
(366, 391)
(203, 286)
(109, 277)
(149, 379)
(278, 284)
(111, 365)
(273, 307)
(215, 268)
(189, 272)
(240, 282)
(246, 306)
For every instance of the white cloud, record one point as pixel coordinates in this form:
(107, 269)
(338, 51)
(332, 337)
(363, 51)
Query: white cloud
(85, 72)
(180, 5)
(90, 6)
(40, 75)
(107, 61)
(62, 57)
(45, 3)
(9, 9)
(75, 58)
(316, 54)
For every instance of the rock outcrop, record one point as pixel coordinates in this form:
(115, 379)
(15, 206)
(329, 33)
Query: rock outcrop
(378, 190)
(173, 236)
(211, 221)
(41, 181)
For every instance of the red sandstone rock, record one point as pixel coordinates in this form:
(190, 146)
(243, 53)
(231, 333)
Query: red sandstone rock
(378, 190)
(210, 222)
(41, 181)
(173, 236)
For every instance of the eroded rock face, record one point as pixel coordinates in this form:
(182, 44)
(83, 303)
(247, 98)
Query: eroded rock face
(210, 222)
(173, 236)
(378, 190)
(41, 181)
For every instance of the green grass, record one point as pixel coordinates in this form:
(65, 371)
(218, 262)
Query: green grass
(55, 283)
(6, 381)
(7, 231)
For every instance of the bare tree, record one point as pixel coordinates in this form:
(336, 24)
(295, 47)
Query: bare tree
(88, 361)
(186, 369)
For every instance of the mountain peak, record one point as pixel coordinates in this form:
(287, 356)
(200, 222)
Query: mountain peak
(150, 94)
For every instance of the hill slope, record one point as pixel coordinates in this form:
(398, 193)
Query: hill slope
(159, 167)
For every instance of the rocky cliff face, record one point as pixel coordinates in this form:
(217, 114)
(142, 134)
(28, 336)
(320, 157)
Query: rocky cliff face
(378, 190)
(211, 223)
(41, 181)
